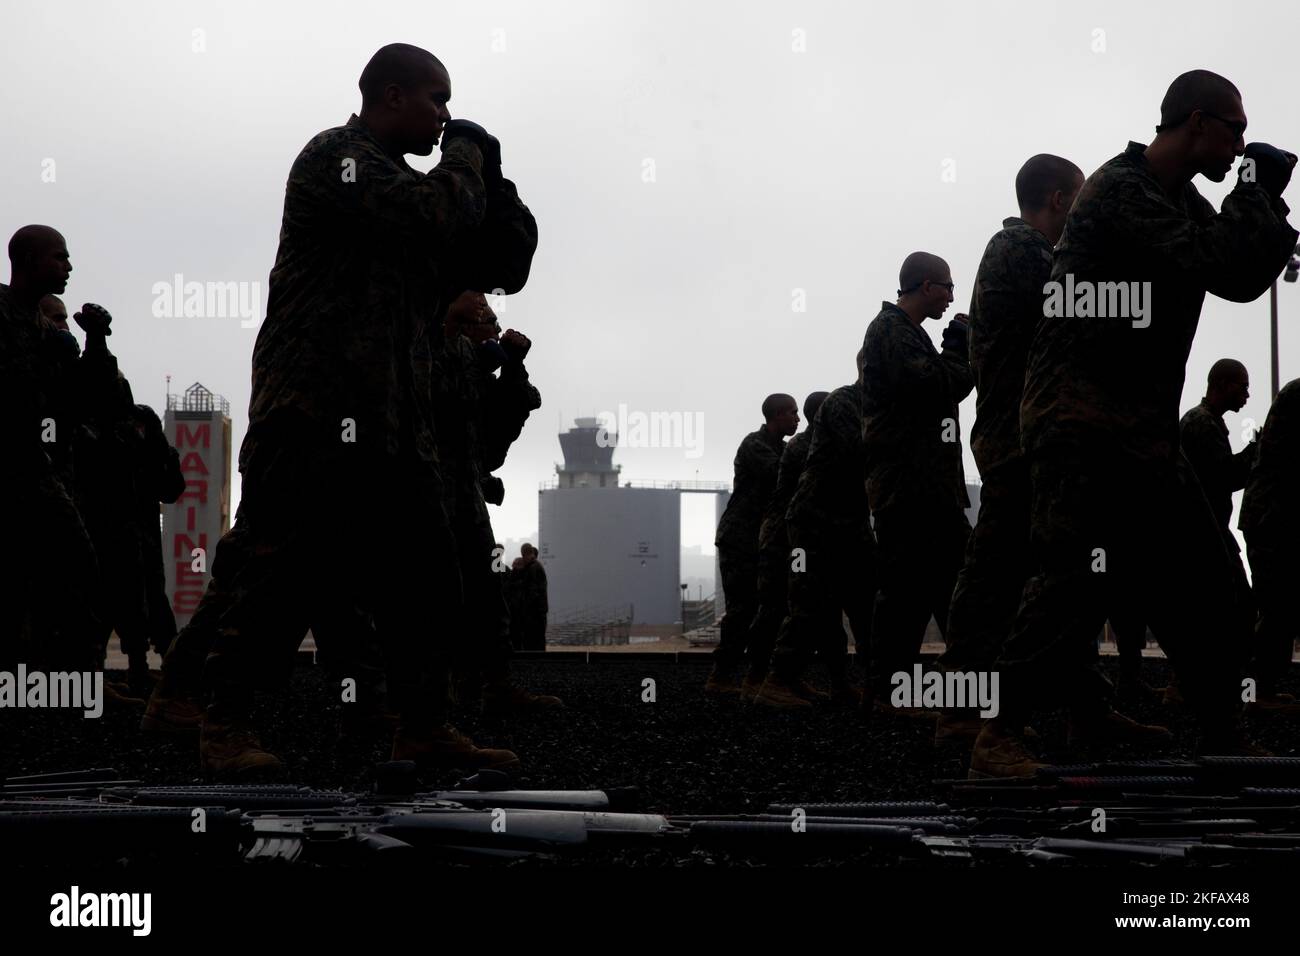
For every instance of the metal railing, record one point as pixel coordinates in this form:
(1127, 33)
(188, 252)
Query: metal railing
(705, 486)
(592, 625)
(196, 398)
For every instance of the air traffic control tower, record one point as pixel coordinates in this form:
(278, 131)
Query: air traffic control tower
(610, 547)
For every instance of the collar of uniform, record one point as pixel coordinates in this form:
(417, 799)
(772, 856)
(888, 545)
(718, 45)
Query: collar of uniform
(776, 441)
(895, 313)
(1135, 154)
(354, 122)
(1015, 222)
(893, 308)
(1215, 416)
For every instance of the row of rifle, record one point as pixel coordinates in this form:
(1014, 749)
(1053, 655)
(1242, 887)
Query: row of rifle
(1206, 812)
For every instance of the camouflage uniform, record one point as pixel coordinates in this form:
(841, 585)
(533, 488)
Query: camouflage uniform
(915, 482)
(342, 493)
(1006, 304)
(1099, 427)
(758, 461)
(774, 552)
(50, 595)
(829, 520)
(1270, 520)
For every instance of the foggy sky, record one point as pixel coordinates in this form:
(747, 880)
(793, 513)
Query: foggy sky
(774, 170)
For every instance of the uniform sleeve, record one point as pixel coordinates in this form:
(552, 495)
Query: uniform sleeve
(763, 464)
(1237, 468)
(507, 403)
(1235, 254)
(1216, 465)
(444, 207)
(171, 480)
(902, 369)
(499, 255)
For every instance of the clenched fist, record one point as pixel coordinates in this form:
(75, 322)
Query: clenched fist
(94, 319)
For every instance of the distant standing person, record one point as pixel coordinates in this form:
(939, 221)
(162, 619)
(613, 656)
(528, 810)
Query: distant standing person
(757, 464)
(532, 586)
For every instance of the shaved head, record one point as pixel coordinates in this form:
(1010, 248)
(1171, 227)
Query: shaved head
(470, 315)
(1197, 90)
(812, 403)
(39, 264)
(398, 63)
(920, 266)
(1226, 372)
(775, 404)
(1041, 177)
(52, 308)
(32, 242)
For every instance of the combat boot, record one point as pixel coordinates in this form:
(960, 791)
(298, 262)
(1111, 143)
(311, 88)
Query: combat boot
(445, 748)
(998, 753)
(171, 715)
(781, 694)
(722, 682)
(228, 747)
(1112, 727)
(753, 683)
(504, 698)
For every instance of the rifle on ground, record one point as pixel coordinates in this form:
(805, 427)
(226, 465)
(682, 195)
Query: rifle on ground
(1204, 812)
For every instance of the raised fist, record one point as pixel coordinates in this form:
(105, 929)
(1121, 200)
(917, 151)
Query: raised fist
(94, 319)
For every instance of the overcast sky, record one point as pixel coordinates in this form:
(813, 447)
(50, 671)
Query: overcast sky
(792, 146)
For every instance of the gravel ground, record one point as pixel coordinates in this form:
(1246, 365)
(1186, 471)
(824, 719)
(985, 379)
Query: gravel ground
(687, 753)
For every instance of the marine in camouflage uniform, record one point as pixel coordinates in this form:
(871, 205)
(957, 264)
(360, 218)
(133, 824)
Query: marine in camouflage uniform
(915, 482)
(757, 464)
(1116, 514)
(1006, 304)
(50, 595)
(342, 492)
(833, 574)
(774, 550)
(1270, 520)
